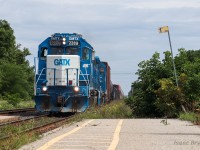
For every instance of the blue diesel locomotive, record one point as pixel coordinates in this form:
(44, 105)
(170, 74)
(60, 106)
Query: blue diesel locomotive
(68, 75)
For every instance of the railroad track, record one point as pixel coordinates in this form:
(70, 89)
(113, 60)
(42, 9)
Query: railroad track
(23, 120)
(55, 123)
(13, 111)
(52, 125)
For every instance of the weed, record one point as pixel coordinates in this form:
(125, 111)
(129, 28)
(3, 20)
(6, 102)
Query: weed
(190, 116)
(114, 110)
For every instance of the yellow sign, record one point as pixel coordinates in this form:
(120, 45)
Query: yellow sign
(163, 29)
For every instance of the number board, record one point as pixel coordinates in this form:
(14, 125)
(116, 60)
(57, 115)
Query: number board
(73, 43)
(55, 42)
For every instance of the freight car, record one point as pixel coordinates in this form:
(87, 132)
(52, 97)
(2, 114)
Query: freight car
(68, 75)
(117, 92)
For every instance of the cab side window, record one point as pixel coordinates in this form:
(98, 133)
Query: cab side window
(85, 54)
(43, 53)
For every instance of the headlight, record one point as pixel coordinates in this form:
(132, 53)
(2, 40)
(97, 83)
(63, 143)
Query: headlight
(44, 88)
(76, 88)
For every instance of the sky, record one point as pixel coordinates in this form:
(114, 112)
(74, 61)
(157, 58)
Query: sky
(123, 33)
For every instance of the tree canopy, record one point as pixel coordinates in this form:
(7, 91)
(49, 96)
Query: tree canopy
(155, 92)
(16, 75)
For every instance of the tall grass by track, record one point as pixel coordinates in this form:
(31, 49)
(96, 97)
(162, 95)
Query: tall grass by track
(114, 110)
(4, 105)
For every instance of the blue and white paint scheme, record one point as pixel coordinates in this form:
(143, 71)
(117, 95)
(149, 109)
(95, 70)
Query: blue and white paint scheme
(68, 76)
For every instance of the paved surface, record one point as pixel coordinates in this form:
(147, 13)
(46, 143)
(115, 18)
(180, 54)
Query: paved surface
(150, 134)
(126, 134)
(8, 118)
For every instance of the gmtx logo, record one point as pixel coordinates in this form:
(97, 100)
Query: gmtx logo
(62, 62)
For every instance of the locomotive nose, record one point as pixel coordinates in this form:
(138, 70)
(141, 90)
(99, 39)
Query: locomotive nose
(63, 70)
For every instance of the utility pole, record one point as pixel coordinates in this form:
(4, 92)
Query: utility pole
(163, 30)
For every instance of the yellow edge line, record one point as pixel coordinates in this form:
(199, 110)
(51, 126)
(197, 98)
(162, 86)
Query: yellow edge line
(51, 142)
(115, 140)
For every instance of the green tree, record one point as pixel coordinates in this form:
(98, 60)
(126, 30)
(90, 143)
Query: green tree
(188, 63)
(142, 101)
(155, 88)
(16, 75)
(7, 41)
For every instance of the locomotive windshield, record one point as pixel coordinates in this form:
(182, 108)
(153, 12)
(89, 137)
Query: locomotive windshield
(61, 51)
(57, 51)
(72, 51)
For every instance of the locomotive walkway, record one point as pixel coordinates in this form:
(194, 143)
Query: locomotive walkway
(123, 134)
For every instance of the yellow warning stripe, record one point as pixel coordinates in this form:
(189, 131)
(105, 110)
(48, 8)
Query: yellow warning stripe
(51, 142)
(115, 140)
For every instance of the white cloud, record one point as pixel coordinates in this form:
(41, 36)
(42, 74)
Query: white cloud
(161, 4)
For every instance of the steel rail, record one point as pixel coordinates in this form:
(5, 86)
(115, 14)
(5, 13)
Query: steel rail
(12, 111)
(22, 120)
(43, 128)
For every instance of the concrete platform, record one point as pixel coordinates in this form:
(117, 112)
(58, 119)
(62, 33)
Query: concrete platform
(122, 134)
(4, 119)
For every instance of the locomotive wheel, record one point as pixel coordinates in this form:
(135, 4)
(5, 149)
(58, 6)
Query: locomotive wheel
(51, 114)
(95, 100)
(103, 100)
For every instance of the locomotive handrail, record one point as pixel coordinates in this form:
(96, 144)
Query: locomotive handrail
(40, 75)
(83, 75)
(36, 83)
(55, 73)
(86, 73)
(86, 79)
(35, 70)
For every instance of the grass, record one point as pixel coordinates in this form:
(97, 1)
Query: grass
(4, 105)
(114, 110)
(18, 139)
(190, 116)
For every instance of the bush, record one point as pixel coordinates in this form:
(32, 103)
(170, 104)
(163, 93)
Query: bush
(4, 105)
(13, 99)
(26, 104)
(169, 98)
(190, 116)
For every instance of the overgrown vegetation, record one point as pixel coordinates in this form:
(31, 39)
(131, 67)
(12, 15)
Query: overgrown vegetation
(16, 75)
(5, 105)
(114, 110)
(155, 93)
(19, 138)
(17, 141)
(190, 116)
